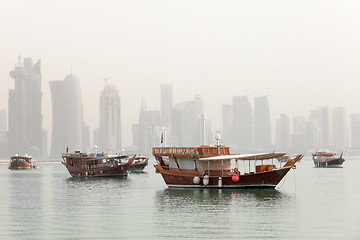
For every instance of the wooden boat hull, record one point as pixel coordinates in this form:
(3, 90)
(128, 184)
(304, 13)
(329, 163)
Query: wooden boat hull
(268, 179)
(20, 164)
(137, 167)
(331, 163)
(120, 170)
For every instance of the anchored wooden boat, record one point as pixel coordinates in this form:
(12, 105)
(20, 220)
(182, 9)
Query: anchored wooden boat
(96, 164)
(21, 162)
(215, 167)
(327, 159)
(139, 163)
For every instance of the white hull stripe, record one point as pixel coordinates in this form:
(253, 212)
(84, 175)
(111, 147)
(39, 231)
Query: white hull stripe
(227, 186)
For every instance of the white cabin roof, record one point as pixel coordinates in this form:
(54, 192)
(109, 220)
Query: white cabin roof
(256, 156)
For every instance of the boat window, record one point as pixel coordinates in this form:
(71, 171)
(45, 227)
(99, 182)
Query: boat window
(71, 161)
(80, 162)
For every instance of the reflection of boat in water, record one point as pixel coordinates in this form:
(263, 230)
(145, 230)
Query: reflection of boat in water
(139, 163)
(96, 164)
(327, 159)
(211, 166)
(287, 157)
(21, 162)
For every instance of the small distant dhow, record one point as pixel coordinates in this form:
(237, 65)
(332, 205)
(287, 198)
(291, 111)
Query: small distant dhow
(139, 163)
(215, 167)
(21, 162)
(96, 164)
(327, 159)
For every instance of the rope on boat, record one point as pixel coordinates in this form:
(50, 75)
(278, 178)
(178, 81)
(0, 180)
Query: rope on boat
(283, 180)
(294, 179)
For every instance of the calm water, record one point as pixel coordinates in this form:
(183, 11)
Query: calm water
(46, 203)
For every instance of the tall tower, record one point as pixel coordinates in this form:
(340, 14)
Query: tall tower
(340, 129)
(25, 119)
(166, 104)
(67, 115)
(282, 137)
(243, 133)
(110, 121)
(262, 124)
(355, 131)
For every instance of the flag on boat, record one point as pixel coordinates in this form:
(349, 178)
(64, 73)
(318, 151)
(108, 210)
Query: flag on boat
(162, 138)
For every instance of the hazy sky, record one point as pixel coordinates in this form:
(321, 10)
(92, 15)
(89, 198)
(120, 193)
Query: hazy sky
(302, 54)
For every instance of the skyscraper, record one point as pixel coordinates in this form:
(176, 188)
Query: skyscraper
(148, 129)
(186, 122)
(340, 131)
(243, 127)
(67, 115)
(110, 119)
(227, 124)
(282, 138)
(298, 135)
(311, 136)
(262, 124)
(3, 135)
(355, 131)
(166, 104)
(25, 118)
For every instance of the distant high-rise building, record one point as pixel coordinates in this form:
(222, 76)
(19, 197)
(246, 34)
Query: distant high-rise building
(110, 119)
(262, 124)
(282, 137)
(3, 122)
(243, 128)
(4, 153)
(227, 124)
(25, 118)
(355, 131)
(324, 122)
(326, 133)
(149, 134)
(67, 115)
(298, 135)
(204, 134)
(184, 124)
(166, 104)
(340, 131)
(86, 138)
(311, 136)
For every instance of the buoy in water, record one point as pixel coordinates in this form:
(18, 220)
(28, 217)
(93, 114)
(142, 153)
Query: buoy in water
(196, 180)
(235, 178)
(206, 180)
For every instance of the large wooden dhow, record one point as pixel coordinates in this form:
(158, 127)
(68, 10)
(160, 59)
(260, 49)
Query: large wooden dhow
(96, 164)
(215, 167)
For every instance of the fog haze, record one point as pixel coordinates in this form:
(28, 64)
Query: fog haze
(301, 54)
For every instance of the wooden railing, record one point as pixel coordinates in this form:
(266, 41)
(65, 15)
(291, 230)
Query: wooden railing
(175, 150)
(202, 150)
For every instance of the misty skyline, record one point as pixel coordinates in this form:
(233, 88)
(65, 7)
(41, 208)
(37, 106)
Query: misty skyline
(301, 54)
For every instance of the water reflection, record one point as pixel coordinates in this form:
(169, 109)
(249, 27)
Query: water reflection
(219, 214)
(25, 206)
